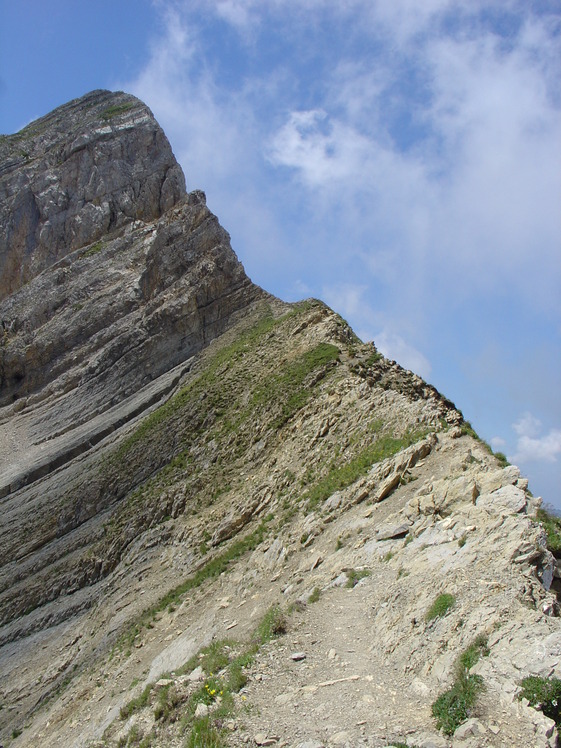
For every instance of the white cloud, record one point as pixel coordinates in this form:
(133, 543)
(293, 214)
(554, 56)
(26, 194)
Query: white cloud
(400, 167)
(531, 446)
(393, 346)
(348, 299)
(498, 443)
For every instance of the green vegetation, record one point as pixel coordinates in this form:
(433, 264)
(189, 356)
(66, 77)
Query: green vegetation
(223, 664)
(285, 390)
(204, 735)
(134, 705)
(273, 624)
(339, 478)
(502, 459)
(116, 109)
(468, 430)
(478, 648)
(93, 250)
(355, 575)
(288, 388)
(545, 694)
(215, 657)
(551, 524)
(455, 705)
(440, 606)
(315, 595)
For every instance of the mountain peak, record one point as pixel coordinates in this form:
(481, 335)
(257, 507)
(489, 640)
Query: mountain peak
(86, 169)
(185, 459)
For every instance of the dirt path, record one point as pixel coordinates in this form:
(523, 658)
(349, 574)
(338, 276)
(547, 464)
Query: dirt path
(344, 690)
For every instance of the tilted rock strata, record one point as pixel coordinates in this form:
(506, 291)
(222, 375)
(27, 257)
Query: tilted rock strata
(182, 451)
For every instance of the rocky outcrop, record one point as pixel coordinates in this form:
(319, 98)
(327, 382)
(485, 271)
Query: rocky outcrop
(77, 174)
(181, 451)
(111, 305)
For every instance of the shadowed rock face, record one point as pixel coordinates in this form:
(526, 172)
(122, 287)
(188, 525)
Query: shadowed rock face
(67, 179)
(112, 275)
(109, 286)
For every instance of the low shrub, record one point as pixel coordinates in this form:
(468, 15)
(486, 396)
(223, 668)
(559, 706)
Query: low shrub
(552, 527)
(454, 706)
(204, 734)
(273, 624)
(545, 694)
(134, 705)
(355, 575)
(315, 595)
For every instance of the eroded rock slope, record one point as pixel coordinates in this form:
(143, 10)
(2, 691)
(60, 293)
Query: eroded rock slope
(226, 519)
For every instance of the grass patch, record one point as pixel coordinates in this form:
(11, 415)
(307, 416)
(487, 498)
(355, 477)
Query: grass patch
(340, 477)
(93, 250)
(355, 575)
(273, 624)
(223, 662)
(552, 527)
(502, 459)
(478, 648)
(204, 734)
(315, 595)
(116, 110)
(215, 657)
(544, 694)
(134, 705)
(212, 569)
(440, 606)
(455, 705)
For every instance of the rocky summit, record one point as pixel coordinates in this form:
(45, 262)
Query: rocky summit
(226, 521)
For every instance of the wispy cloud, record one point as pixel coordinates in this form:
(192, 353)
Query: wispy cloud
(411, 180)
(532, 444)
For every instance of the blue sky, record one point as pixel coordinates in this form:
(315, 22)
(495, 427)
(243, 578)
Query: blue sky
(399, 160)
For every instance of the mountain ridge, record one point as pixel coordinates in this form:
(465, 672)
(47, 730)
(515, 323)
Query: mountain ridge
(183, 453)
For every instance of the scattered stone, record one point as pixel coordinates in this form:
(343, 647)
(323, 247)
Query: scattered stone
(262, 739)
(163, 682)
(393, 531)
(201, 711)
(471, 728)
(432, 741)
(316, 561)
(196, 674)
(298, 656)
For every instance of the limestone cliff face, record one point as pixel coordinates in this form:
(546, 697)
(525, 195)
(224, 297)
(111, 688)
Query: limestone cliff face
(69, 178)
(179, 451)
(115, 274)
